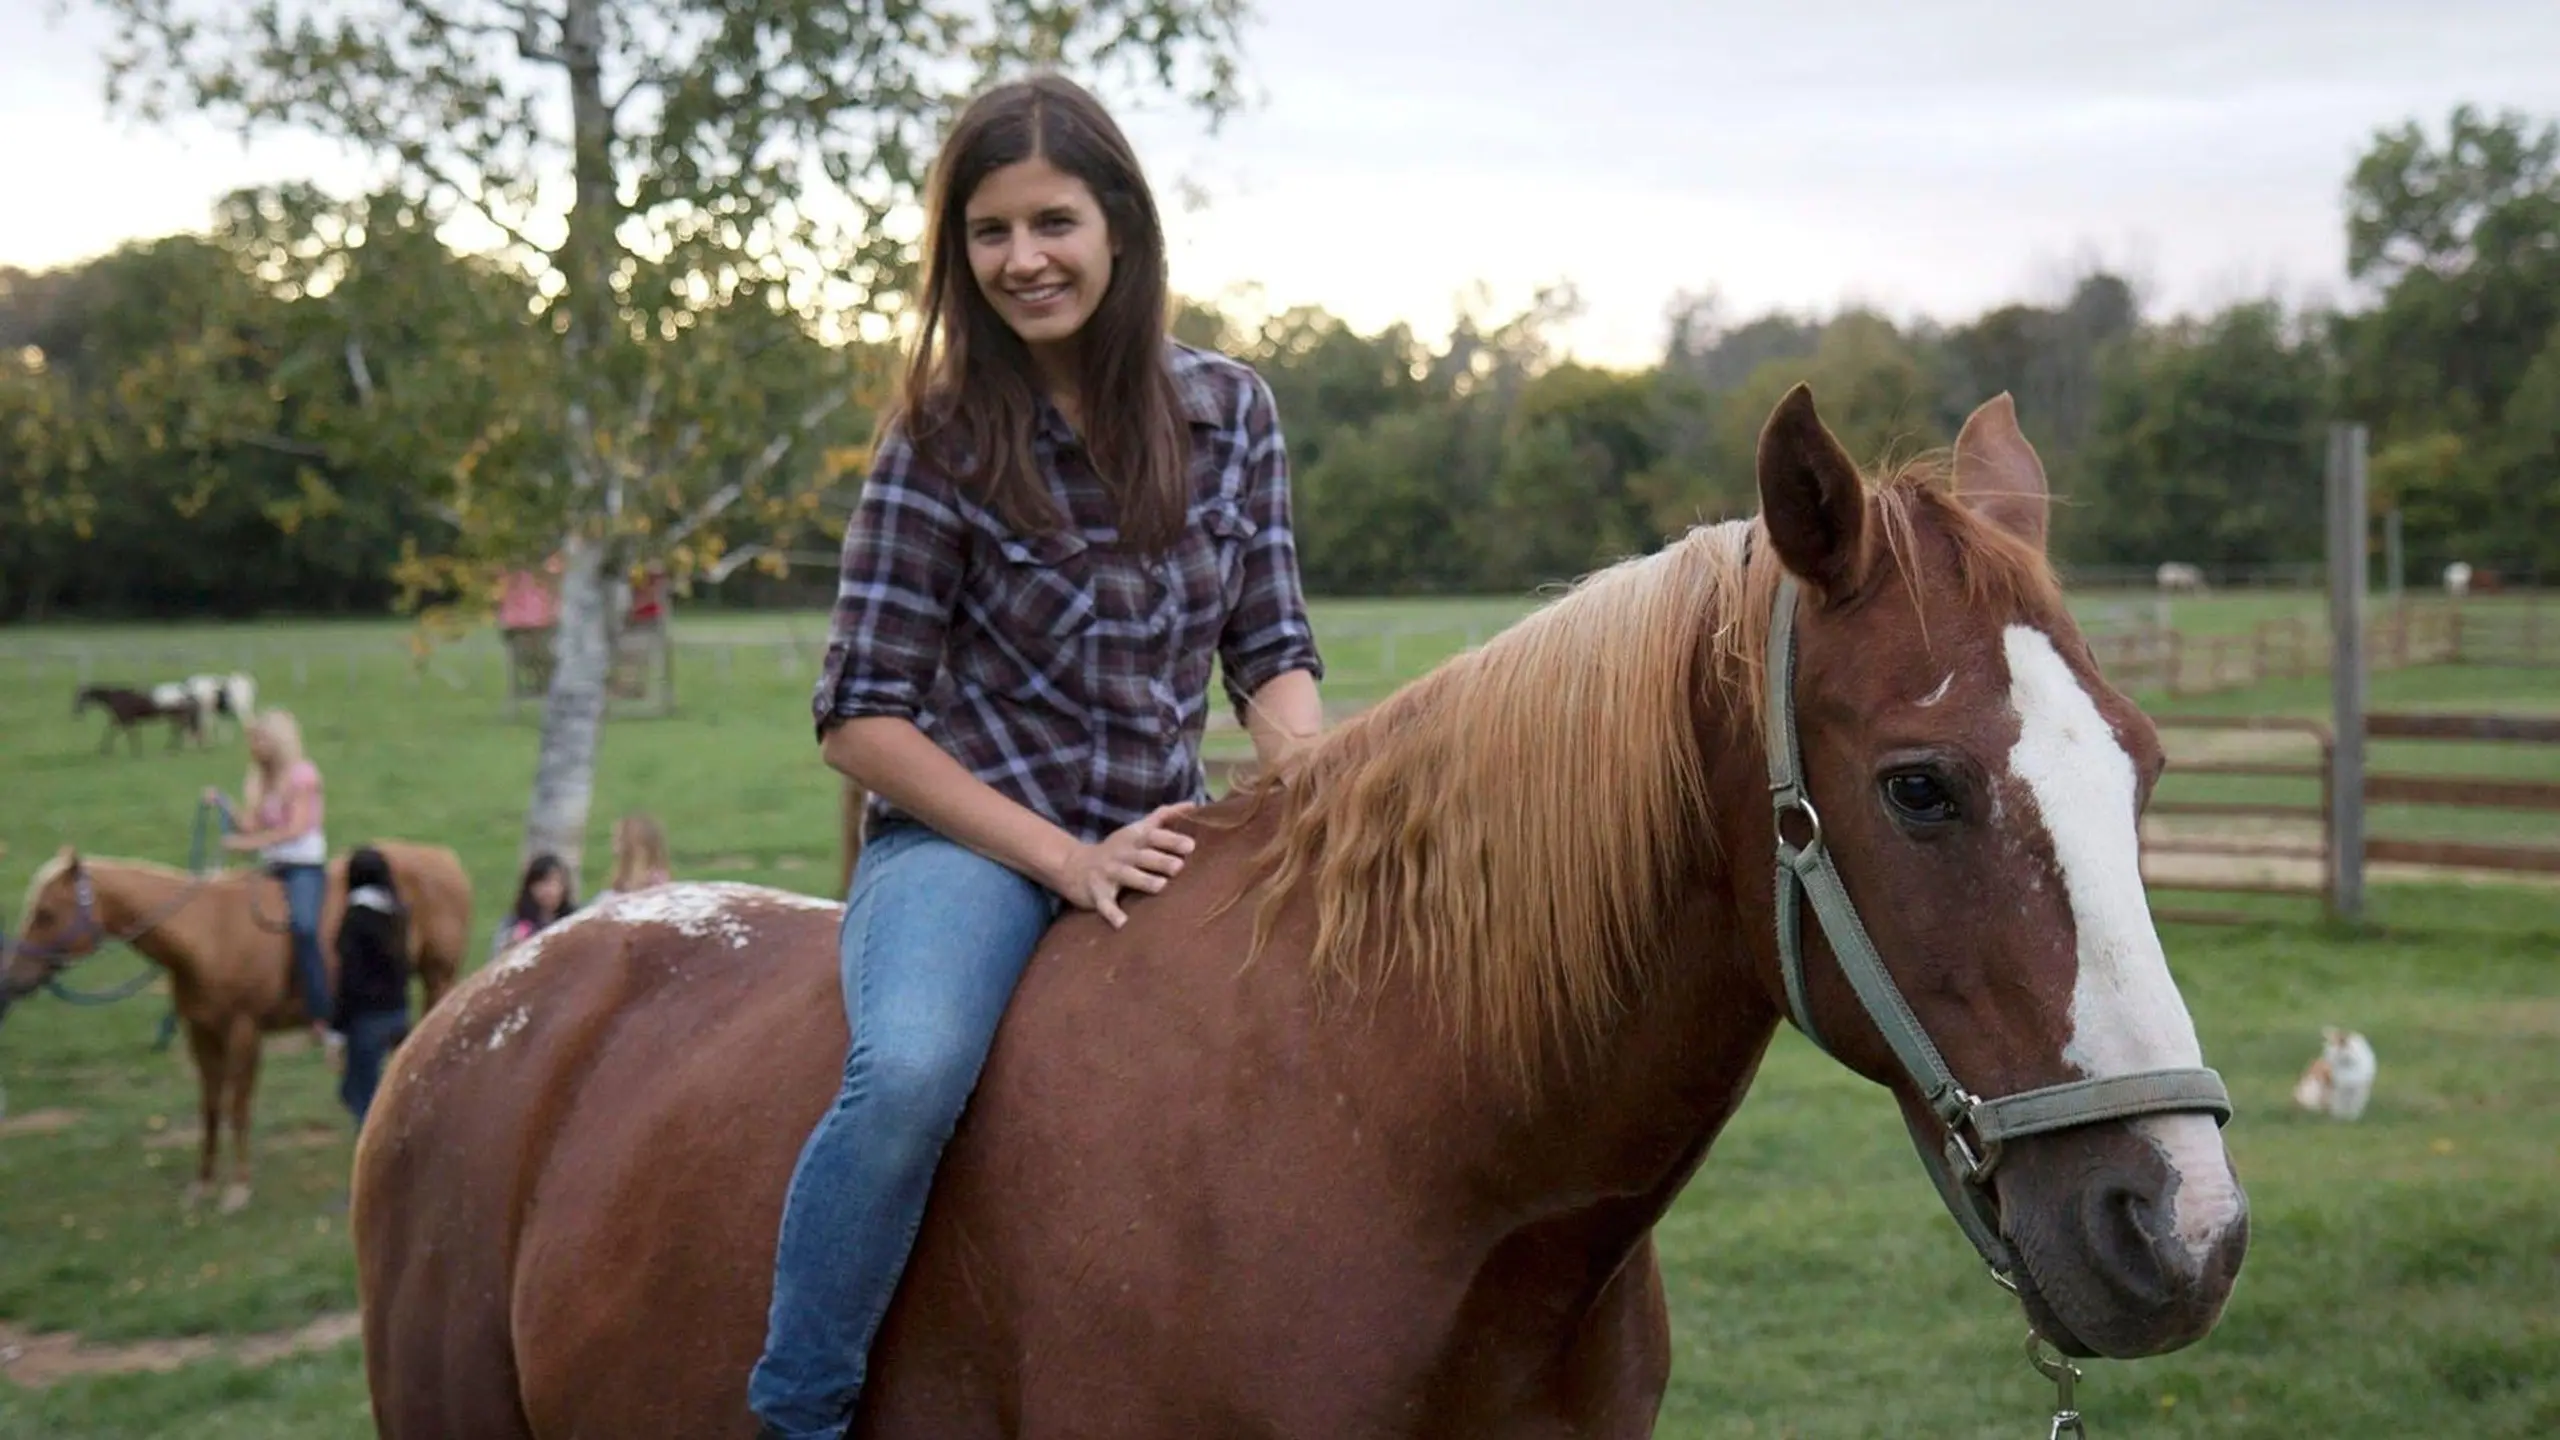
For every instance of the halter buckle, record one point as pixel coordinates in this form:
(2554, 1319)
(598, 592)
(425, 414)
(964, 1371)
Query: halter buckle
(1973, 1160)
(1789, 799)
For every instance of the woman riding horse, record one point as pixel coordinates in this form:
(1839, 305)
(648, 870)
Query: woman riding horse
(1362, 1129)
(1069, 519)
(284, 798)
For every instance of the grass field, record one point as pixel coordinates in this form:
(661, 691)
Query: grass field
(2404, 1278)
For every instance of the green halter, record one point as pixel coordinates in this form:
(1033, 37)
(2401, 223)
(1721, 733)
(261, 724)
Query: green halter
(1976, 1128)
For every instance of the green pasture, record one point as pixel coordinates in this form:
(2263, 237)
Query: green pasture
(2404, 1278)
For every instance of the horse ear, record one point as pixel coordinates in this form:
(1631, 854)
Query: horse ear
(69, 858)
(1812, 499)
(1999, 474)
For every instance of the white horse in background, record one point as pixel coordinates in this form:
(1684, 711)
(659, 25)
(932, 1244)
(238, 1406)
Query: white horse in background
(233, 696)
(2179, 577)
(2457, 579)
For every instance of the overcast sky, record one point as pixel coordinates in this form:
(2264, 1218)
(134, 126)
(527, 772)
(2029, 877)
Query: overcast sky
(1934, 157)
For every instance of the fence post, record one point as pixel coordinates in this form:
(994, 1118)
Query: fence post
(2391, 552)
(2347, 580)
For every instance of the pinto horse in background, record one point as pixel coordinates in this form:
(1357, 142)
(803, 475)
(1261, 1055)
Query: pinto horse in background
(1361, 1128)
(232, 697)
(128, 709)
(222, 940)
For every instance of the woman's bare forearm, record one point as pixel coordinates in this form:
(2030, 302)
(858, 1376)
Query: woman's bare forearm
(891, 758)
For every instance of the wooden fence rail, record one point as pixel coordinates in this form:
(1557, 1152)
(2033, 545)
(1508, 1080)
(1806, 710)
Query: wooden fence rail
(2140, 653)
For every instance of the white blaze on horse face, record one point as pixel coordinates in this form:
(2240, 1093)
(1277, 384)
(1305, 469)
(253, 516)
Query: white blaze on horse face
(2126, 1012)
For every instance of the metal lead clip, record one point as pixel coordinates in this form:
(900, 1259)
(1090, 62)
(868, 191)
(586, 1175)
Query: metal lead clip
(2064, 1375)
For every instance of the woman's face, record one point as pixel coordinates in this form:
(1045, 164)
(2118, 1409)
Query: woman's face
(1040, 249)
(262, 747)
(548, 891)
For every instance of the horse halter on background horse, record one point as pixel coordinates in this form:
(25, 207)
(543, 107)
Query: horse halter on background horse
(89, 938)
(1976, 1128)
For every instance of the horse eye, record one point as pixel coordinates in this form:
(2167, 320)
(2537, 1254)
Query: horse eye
(1919, 797)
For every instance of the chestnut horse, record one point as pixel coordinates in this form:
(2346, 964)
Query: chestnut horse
(221, 938)
(1362, 1127)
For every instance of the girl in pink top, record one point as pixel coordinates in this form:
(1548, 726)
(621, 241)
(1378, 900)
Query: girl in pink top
(285, 799)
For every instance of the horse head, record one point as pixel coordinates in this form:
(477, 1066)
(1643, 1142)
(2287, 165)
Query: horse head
(1964, 822)
(58, 923)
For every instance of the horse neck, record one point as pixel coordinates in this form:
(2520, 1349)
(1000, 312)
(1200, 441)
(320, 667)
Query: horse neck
(1629, 1119)
(131, 896)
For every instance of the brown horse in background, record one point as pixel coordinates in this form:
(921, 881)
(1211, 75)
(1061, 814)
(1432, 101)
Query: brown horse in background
(1361, 1128)
(223, 942)
(129, 709)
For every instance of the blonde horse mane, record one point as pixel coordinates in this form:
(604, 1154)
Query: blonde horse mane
(57, 865)
(53, 868)
(1510, 831)
(60, 862)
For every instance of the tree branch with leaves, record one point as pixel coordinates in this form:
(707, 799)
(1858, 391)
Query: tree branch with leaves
(693, 192)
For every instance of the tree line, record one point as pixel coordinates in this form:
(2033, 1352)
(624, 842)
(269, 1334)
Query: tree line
(672, 361)
(294, 411)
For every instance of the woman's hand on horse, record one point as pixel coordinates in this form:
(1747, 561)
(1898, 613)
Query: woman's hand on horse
(1144, 855)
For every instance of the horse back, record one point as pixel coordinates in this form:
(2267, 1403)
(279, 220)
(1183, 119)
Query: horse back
(567, 1193)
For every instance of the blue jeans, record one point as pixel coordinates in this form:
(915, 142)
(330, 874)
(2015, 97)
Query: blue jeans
(305, 886)
(370, 1038)
(935, 937)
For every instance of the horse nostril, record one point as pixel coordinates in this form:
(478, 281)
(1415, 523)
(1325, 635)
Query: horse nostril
(2126, 1236)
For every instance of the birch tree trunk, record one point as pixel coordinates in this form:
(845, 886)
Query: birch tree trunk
(564, 775)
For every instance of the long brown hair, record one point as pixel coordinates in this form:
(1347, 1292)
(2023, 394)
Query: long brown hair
(971, 395)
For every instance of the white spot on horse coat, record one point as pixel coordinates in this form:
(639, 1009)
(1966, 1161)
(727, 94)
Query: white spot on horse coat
(2126, 1013)
(703, 909)
(1941, 692)
(515, 1021)
(725, 910)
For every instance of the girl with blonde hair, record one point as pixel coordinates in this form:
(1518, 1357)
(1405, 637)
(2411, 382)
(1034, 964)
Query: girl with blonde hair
(639, 855)
(285, 803)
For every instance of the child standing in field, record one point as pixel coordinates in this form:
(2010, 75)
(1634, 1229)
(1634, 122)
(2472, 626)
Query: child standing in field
(544, 895)
(372, 1009)
(639, 856)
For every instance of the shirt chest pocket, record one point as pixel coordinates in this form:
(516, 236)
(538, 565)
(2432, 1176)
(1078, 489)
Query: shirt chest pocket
(1039, 609)
(1224, 531)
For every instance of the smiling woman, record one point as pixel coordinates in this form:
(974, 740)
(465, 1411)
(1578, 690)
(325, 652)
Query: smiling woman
(1070, 521)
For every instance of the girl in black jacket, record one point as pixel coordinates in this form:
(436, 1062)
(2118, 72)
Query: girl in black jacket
(372, 1009)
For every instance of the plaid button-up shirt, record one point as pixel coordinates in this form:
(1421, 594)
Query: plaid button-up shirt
(1069, 675)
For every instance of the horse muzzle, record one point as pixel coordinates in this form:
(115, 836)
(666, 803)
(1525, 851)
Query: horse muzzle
(2129, 1236)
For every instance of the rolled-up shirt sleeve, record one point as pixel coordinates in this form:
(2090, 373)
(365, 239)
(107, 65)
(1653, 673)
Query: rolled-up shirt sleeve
(1268, 633)
(896, 590)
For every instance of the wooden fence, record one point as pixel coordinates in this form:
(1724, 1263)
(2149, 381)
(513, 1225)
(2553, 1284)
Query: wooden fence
(2465, 792)
(2523, 634)
(2261, 845)
(2141, 654)
(2271, 830)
